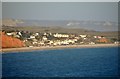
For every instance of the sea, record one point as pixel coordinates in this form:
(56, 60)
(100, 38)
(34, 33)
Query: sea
(74, 62)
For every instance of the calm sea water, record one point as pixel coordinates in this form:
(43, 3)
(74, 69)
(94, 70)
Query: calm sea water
(82, 62)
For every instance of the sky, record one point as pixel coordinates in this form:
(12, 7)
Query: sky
(97, 11)
(60, 0)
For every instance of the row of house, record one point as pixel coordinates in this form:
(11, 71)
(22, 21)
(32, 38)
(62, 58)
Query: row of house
(40, 39)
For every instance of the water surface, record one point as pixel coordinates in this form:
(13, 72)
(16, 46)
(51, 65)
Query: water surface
(80, 62)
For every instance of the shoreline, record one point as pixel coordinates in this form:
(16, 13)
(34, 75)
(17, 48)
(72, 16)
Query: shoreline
(27, 49)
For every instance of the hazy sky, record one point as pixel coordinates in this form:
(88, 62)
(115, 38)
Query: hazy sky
(103, 11)
(60, 0)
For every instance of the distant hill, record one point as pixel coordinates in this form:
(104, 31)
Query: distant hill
(90, 25)
(11, 22)
(63, 26)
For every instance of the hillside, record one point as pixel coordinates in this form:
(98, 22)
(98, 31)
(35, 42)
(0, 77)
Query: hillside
(88, 24)
(10, 42)
(61, 30)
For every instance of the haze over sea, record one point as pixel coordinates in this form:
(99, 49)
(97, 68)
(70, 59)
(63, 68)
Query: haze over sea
(75, 62)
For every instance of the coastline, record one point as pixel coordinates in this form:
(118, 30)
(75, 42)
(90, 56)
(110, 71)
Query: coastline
(25, 49)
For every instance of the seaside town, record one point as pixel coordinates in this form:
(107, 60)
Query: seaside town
(16, 38)
(53, 39)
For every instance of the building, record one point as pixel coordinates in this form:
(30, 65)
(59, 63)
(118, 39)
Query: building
(83, 36)
(44, 38)
(32, 37)
(61, 35)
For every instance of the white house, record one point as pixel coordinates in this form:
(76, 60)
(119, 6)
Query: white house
(83, 36)
(71, 41)
(44, 38)
(97, 37)
(9, 34)
(19, 33)
(32, 37)
(61, 35)
(36, 34)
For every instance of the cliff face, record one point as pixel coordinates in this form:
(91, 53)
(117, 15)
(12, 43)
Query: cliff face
(103, 40)
(10, 42)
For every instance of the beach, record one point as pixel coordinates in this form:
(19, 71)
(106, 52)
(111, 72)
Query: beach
(23, 49)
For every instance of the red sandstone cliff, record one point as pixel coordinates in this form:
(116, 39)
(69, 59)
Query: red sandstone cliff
(10, 42)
